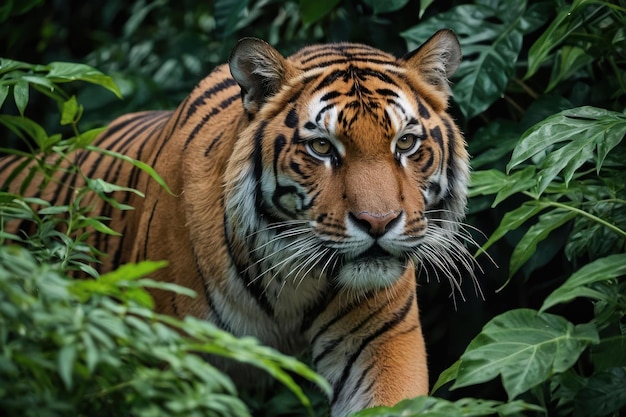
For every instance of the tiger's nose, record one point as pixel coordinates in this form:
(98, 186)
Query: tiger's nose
(376, 224)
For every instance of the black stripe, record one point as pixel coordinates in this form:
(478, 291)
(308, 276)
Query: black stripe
(166, 138)
(450, 162)
(223, 105)
(147, 234)
(344, 311)
(330, 346)
(212, 144)
(398, 317)
(423, 110)
(201, 99)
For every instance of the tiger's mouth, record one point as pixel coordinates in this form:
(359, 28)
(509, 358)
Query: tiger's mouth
(374, 252)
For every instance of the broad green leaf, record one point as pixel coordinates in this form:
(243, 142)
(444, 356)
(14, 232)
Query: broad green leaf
(491, 34)
(603, 394)
(20, 95)
(527, 245)
(486, 182)
(446, 376)
(517, 182)
(65, 72)
(501, 184)
(602, 269)
(609, 353)
(590, 133)
(525, 348)
(386, 6)
(566, 22)
(313, 10)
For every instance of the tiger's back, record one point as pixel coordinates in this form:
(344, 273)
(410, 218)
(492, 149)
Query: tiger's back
(305, 193)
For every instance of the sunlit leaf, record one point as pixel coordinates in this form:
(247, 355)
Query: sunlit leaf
(525, 348)
(589, 133)
(65, 72)
(69, 111)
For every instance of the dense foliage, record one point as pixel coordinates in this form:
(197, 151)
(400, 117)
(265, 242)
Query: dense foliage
(541, 95)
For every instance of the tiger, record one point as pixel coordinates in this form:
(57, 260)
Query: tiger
(307, 195)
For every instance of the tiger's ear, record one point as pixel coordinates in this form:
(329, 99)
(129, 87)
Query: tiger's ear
(437, 59)
(259, 69)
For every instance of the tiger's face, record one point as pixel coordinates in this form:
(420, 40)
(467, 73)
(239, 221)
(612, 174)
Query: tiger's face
(357, 168)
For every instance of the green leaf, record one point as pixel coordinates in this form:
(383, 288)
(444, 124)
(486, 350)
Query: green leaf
(25, 129)
(313, 10)
(527, 246)
(65, 72)
(566, 22)
(511, 221)
(65, 361)
(590, 133)
(486, 182)
(491, 35)
(139, 164)
(603, 395)
(130, 272)
(569, 60)
(20, 95)
(609, 353)
(69, 111)
(446, 376)
(517, 182)
(602, 269)
(438, 407)
(525, 348)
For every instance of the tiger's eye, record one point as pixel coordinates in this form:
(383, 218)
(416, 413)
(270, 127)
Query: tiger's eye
(406, 143)
(322, 147)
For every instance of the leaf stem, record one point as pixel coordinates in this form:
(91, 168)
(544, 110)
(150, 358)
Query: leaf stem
(585, 214)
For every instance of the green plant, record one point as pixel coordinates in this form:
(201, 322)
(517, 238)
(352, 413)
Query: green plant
(95, 346)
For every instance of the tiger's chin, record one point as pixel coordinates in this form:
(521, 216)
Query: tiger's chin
(366, 274)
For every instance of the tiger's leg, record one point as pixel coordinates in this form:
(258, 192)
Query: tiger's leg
(371, 348)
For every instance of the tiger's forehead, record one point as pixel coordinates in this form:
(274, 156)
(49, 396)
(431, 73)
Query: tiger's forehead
(359, 99)
(327, 55)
